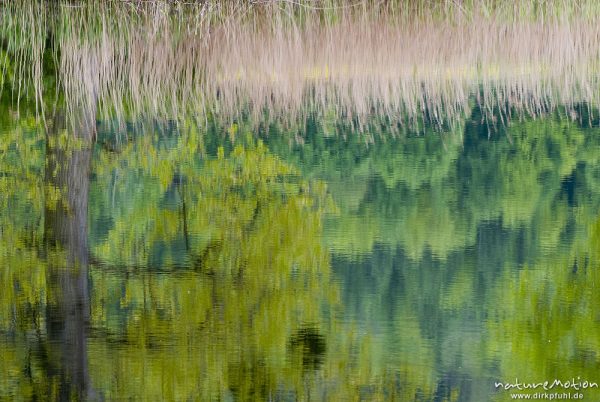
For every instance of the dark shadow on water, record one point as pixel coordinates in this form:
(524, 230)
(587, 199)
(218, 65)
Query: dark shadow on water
(310, 345)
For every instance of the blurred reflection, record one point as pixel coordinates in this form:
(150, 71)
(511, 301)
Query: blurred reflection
(65, 232)
(310, 345)
(185, 264)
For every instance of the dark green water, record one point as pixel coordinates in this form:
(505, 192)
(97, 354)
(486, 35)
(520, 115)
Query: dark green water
(314, 263)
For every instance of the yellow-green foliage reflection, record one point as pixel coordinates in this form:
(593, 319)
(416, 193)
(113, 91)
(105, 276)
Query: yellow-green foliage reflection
(253, 238)
(547, 326)
(23, 273)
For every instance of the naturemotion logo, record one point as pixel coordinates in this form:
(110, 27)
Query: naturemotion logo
(546, 385)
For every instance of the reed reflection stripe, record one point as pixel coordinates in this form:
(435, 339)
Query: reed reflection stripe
(168, 60)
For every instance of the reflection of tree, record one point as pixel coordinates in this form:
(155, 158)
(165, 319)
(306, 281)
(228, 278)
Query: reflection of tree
(525, 275)
(547, 325)
(193, 257)
(394, 189)
(430, 192)
(23, 274)
(249, 231)
(65, 228)
(45, 195)
(440, 236)
(47, 173)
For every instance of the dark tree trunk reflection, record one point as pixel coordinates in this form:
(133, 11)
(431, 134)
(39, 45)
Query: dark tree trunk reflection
(67, 176)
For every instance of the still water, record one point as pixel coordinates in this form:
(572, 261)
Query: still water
(261, 262)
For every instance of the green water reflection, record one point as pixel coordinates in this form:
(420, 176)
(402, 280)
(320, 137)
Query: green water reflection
(245, 263)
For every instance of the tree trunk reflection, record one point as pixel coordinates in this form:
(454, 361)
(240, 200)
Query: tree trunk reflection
(67, 174)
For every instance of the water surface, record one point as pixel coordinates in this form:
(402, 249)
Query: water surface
(182, 262)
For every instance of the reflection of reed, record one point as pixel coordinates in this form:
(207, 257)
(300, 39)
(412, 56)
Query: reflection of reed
(153, 61)
(360, 67)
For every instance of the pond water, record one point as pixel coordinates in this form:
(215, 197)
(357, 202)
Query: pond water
(263, 262)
